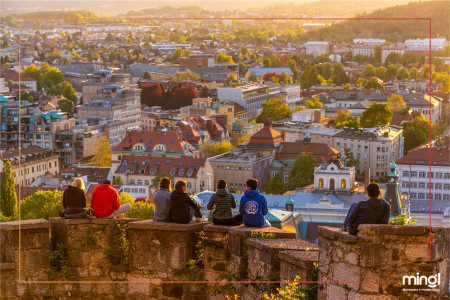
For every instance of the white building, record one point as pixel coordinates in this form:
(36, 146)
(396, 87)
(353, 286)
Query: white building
(369, 41)
(415, 178)
(333, 176)
(386, 50)
(335, 57)
(437, 44)
(363, 49)
(170, 46)
(136, 191)
(316, 48)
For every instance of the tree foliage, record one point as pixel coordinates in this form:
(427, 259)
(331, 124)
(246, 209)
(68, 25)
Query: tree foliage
(315, 103)
(345, 119)
(102, 156)
(275, 110)
(8, 197)
(275, 186)
(350, 160)
(302, 173)
(42, 204)
(376, 114)
(139, 209)
(183, 96)
(396, 103)
(212, 149)
(152, 95)
(66, 106)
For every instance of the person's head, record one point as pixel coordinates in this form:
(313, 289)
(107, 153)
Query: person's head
(180, 186)
(373, 190)
(222, 184)
(252, 184)
(78, 182)
(165, 183)
(107, 181)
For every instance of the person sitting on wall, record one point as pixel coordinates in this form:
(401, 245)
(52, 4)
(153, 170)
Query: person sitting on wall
(253, 206)
(371, 211)
(223, 201)
(74, 201)
(105, 201)
(182, 207)
(162, 201)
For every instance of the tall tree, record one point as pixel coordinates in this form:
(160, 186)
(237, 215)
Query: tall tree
(183, 96)
(102, 156)
(302, 173)
(68, 92)
(376, 114)
(275, 186)
(396, 103)
(345, 119)
(315, 103)
(284, 77)
(8, 197)
(152, 95)
(275, 110)
(51, 80)
(66, 106)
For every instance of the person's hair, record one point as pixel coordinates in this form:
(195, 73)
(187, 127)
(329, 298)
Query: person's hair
(373, 189)
(165, 183)
(221, 184)
(179, 185)
(252, 183)
(107, 181)
(78, 182)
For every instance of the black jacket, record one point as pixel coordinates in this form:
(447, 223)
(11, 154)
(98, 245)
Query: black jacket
(74, 200)
(179, 207)
(371, 211)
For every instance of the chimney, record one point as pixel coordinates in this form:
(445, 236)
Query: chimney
(366, 178)
(316, 116)
(171, 113)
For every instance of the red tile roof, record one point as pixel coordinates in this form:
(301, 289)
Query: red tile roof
(94, 174)
(143, 165)
(440, 154)
(267, 135)
(10, 74)
(151, 138)
(321, 151)
(398, 119)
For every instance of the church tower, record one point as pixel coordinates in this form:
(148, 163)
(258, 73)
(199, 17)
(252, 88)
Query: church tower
(392, 195)
(289, 204)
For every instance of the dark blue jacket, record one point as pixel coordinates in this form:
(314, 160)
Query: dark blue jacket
(346, 222)
(253, 207)
(371, 211)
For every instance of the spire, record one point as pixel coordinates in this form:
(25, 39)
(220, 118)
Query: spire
(392, 196)
(289, 204)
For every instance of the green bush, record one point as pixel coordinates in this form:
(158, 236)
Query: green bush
(140, 209)
(43, 204)
(402, 220)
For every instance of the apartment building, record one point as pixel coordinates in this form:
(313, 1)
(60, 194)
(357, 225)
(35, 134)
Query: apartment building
(316, 48)
(34, 161)
(386, 50)
(416, 179)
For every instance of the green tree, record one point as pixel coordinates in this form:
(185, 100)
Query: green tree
(27, 97)
(339, 76)
(42, 204)
(369, 71)
(67, 91)
(413, 137)
(403, 73)
(347, 87)
(139, 209)
(267, 63)
(315, 103)
(322, 58)
(413, 73)
(66, 106)
(275, 186)
(275, 61)
(244, 52)
(360, 82)
(284, 77)
(8, 197)
(292, 64)
(396, 103)
(51, 80)
(223, 58)
(345, 119)
(299, 108)
(393, 58)
(275, 110)
(102, 155)
(373, 83)
(350, 160)
(391, 72)
(376, 114)
(302, 173)
(155, 181)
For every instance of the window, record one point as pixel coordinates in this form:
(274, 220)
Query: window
(320, 183)
(189, 185)
(230, 109)
(429, 185)
(421, 196)
(446, 175)
(438, 186)
(413, 184)
(413, 174)
(438, 175)
(437, 197)
(412, 196)
(446, 197)
(286, 177)
(132, 181)
(430, 175)
(146, 182)
(406, 173)
(446, 186)
(273, 174)
(139, 182)
(405, 184)
(421, 185)
(421, 174)
(189, 174)
(343, 184)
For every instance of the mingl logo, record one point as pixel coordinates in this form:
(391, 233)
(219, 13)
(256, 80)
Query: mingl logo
(431, 281)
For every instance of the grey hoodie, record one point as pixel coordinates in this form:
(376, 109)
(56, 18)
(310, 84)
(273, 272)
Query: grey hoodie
(162, 205)
(224, 202)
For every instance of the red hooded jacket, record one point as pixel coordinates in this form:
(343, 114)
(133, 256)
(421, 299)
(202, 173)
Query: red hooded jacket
(104, 201)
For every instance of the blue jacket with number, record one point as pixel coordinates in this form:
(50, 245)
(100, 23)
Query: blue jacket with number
(253, 208)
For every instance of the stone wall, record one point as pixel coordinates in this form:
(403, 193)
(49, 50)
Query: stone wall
(162, 261)
(372, 265)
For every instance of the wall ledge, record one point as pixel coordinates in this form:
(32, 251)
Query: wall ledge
(98, 221)
(281, 244)
(25, 224)
(150, 224)
(299, 258)
(247, 231)
(218, 228)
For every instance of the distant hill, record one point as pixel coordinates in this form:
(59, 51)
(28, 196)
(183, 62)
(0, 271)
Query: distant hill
(398, 30)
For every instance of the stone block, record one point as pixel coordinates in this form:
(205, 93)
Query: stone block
(334, 291)
(370, 281)
(417, 252)
(347, 274)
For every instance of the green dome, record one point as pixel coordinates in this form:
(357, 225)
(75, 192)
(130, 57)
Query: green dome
(393, 165)
(289, 200)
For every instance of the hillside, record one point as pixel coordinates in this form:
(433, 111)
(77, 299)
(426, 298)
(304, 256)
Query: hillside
(394, 31)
